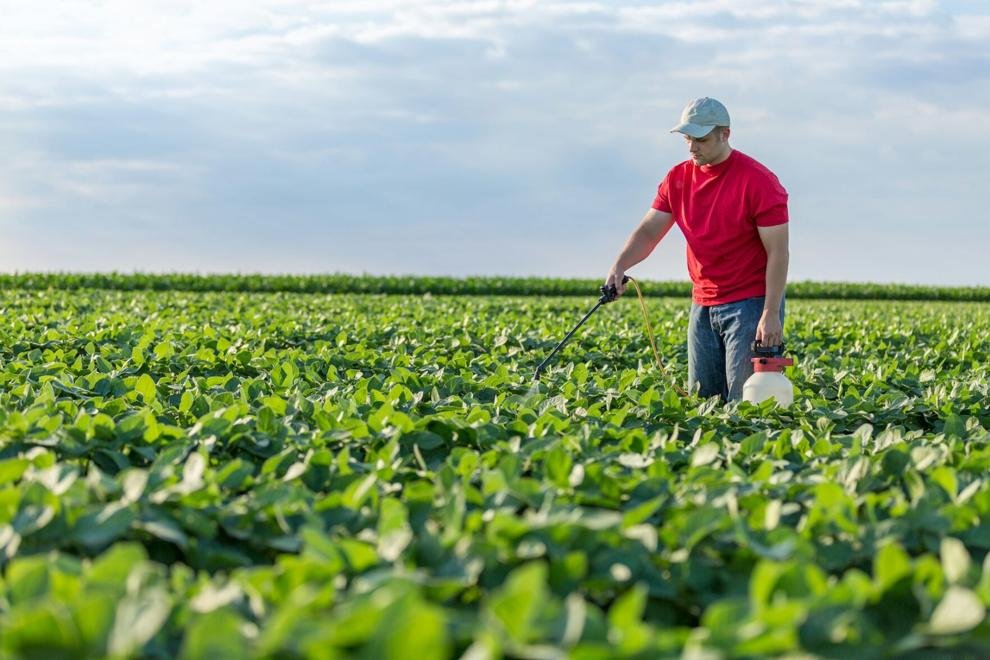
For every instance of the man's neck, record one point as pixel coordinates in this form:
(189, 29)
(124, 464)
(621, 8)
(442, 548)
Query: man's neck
(724, 157)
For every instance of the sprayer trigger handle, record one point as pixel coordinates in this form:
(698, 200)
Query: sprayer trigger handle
(609, 292)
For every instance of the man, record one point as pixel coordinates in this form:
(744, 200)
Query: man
(733, 212)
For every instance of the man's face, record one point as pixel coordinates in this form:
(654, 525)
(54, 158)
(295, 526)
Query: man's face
(710, 149)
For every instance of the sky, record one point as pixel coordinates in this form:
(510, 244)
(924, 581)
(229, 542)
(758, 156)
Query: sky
(488, 137)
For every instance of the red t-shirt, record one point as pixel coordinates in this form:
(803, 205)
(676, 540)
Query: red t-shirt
(718, 208)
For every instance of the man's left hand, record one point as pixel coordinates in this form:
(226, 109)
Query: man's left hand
(769, 331)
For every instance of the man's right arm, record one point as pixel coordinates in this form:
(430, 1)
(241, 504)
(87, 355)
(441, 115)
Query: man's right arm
(653, 227)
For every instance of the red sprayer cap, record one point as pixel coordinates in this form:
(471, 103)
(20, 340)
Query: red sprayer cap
(771, 364)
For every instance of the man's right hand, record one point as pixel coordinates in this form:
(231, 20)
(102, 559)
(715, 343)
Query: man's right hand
(615, 276)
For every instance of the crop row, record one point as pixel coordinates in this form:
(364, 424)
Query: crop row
(419, 285)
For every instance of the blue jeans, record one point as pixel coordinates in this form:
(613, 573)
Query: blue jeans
(720, 339)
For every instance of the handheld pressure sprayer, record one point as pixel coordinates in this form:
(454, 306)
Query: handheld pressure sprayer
(768, 379)
(610, 294)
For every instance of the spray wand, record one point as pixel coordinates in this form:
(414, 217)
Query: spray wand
(609, 294)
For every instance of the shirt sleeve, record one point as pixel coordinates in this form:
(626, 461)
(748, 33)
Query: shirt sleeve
(768, 202)
(662, 201)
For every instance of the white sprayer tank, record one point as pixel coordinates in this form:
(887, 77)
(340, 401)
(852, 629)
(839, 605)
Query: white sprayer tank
(768, 381)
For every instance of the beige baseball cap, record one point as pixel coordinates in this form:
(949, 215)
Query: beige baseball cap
(700, 116)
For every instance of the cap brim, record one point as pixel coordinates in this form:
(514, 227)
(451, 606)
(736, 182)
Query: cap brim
(694, 130)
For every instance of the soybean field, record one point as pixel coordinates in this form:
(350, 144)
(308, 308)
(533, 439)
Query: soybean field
(223, 473)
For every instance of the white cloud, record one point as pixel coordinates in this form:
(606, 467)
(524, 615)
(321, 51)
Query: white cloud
(974, 28)
(114, 38)
(62, 184)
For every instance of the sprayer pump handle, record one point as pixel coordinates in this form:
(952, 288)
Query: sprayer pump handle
(767, 351)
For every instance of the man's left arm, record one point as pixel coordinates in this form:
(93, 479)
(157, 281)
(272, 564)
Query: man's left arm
(769, 331)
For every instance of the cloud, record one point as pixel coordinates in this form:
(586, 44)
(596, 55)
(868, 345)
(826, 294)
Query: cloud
(281, 128)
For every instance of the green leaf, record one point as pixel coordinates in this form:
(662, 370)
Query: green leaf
(217, 635)
(641, 512)
(752, 444)
(166, 530)
(12, 469)
(28, 579)
(704, 455)
(625, 620)
(360, 556)
(104, 525)
(954, 425)
(410, 628)
(145, 386)
(94, 615)
(890, 565)
(945, 477)
(955, 559)
(558, 465)
(516, 604)
(139, 617)
(31, 518)
(40, 631)
(394, 532)
(115, 564)
(164, 350)
(133, 483)
(958, 611)
(762, 583)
